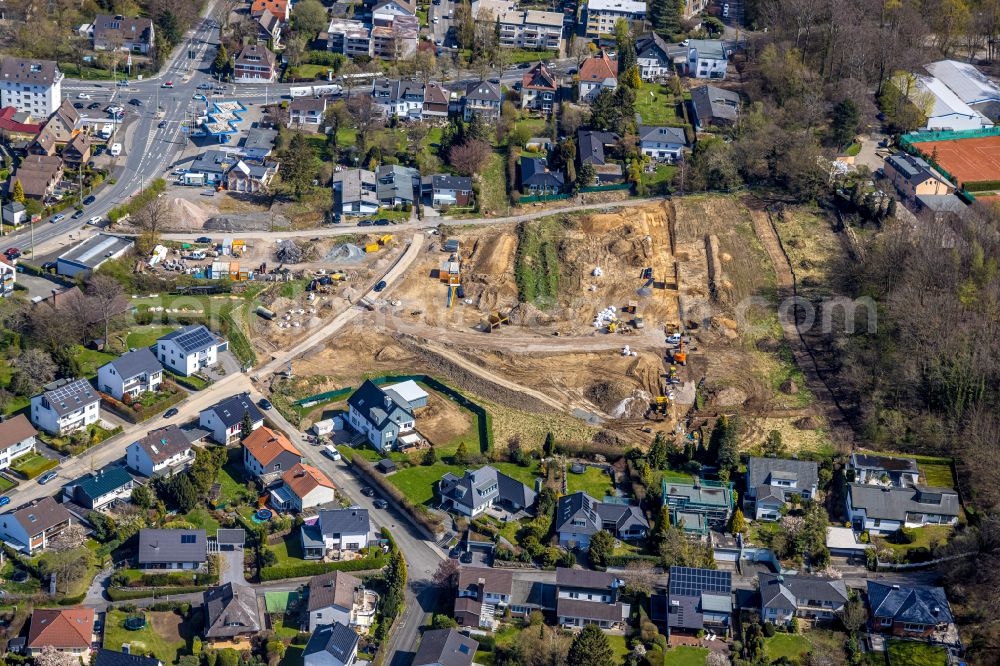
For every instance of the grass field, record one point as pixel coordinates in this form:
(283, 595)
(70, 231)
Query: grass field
(417, 482)
(164, 634)
(655, 103)
(32, 465)
(684, 655)
(594, 481)
(492, 188)
(618, 645)
(6, 484)
(790, 646)
(913, 653)
(658, 181)
(202, 520)
(145, 336)
(927, 535)
(937, 475)
(90, 360)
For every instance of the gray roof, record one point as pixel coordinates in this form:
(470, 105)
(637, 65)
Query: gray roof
(231, 611)
(260, 138)
(41, 515)
(164, 443)
(663, 134)
(760, 472)
(95, 250)
(965, 80)
(624, 516)
(577, 506)
(112, 658)
(714, 49)
(918, 605)
(133, 363)
(34, 72)
(535, 171)
(712, 103)
(590, 144)
(694, 593)
(397, 182)
(512, 490)
(337, 639)
(102, 482)
(590, 610)
(895, 502)
(652, 45)
(235, 537)
(380, 406)
(777, 591)
(344, 521)
(942, 203)
(446, 647)
(465, 490)
(393, 90)
(356, 185)
(159, 546)
(214, 162)
(192, 339)
(332, 589)
(446, 182)
(914, 169)
(231, 410)
(585, 579)
(888, 464)
(485, 91)
(68, 395)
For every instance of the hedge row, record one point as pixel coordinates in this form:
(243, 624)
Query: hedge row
(625, 560)
(173, 579)
(981, 185)
(122, 594)
(581, 449)
(150, 193)
(419, 515)
(138, 413)
(303, 569)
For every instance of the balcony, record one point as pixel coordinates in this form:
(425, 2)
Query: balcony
(363, 613)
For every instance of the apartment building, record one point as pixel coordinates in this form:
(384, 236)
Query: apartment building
(529, 29)
(31, 86)
(602, 15)
(351, 38)
(65, 405)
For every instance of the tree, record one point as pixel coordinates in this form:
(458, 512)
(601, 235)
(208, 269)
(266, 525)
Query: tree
(367, 118)
(724, 441)
(49, 656)
(627, 58)
(18, 194)
(550, 444)
(844, 125)
(657, 456)
(298, 164)
(142, 497)
(309, 18)
(469, 158)
(854, 616)
(601, 546)
(773, 447)
(545, 501)
(151, 219)
(739, 523)
(446, 575)
(246, 425)
(590, 648)
(32, 369)
(461, 454)
(71, 537)
(430, 456)
(107, 297)
(587, 174)
(640, 578)
(220, 65)
(665, 17)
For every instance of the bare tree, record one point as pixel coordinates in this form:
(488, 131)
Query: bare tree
(151, 219)
(446, 576)
(50, 656)
(72, 537)
(470, 157)
(33, 368)
(640, 577)
(367, 118)
(108, 299)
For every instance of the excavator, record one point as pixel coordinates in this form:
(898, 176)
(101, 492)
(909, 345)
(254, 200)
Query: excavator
(680, 356)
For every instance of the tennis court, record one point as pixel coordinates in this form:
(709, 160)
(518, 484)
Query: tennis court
(967, 160)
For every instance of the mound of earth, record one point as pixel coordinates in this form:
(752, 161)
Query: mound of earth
(606, 395)
(807, 423)
(730, 397)
(526, 314)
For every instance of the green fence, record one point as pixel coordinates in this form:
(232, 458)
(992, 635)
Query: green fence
(484, 423)
(607, 188)
(947, 135)
(544, 197)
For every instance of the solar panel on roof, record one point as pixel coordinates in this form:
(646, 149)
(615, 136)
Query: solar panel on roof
(689, 582)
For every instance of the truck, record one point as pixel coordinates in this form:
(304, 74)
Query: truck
(116, 149)
(106, 130)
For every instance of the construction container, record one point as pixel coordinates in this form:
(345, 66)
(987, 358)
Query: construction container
(371, 247)
(385, 240)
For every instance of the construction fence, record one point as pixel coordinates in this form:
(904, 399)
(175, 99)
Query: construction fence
(947, 135)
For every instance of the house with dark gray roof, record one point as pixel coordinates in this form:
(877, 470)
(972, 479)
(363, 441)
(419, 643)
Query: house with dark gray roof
(112, 658)
(537, 179)
(331, 645)
(382, 415)
(163, 451)
(484, 99)
(172, 549)
(189, 349)
(592, 147)
(714, 107)
(231, 613)
(101, 489)
(885, 509)
(447, 190)
(335, 530)
(811, 597)
(339, 597)
(132, 374)
(655, 56)
(482, 596)
(695, 600)
(87, 256)
(224, 419)
(397, 185)
(121, 33)
(579, 516)
(31, 86)
(445, 647)
(29, 528)
(884, 470)
(65, 405)
(477, 490)
(355, 192)
(912, 176)
(662, 143)
(908, 612)
(771, 481)
(589, 597)
(397, 98)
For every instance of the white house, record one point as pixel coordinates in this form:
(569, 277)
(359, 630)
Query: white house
(65, 405)
(303, 487)
(161, 452)
(602, 15)
(708, 58)
(224, 419)
(384, 12)
(662, 143)
(813, 597)
(885, 509)
(338, 529)
(133, 373)
(17, 437)
(597, 73)
(340, 597)
(772, 481)
(101, 489)
(399, 99)
(32, 86)
(187, 350)
(382, 415)
(172, 549)
(30, 528)
(331, 645)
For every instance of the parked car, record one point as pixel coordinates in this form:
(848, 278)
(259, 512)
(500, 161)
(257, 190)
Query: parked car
(4, 501)
(380, 286)
(77, 105)
(366, 223)
(331, 452)
(170, 413)
(122, 83)
(83, 96)
(265, 403)
(12, 252)
(59, 217)
(89, 200)
(382, 222)
(77, 215)
(161, 124)
(368, 491)
(203, 239)
(380, 504)
(94, 105)
(94, 221)
(45, 478)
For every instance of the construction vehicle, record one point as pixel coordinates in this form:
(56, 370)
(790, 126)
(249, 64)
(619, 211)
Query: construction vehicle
(613, 326)
(647, 273)
(385, 240)
(680, 356)
(662, 402)
(372, 247)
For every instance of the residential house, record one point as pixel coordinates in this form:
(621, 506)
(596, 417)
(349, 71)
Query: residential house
(884, 470)
(971, 86)
(8, 277)
(101, 489)
(708, 58)
(484, 99)
(39, 176)
(397, 185)
(258, 143)
(589, 597)
(118, 33)
(29, 529)
(446, 190)
(64, 406)
(67, 630)
(339, 597)
(912, 176)
(64, 123)
(231, 614)
(528, 596)
(771, 481)
(436, 101)
(399, 98)
(189, 349)
(15, 125)
(224, 419)
(132, 374)
(279, 8)
(303, 487)
(530, 29)
(267, 454)
(579, 516)
(89, 255)
(77, 151)
(397, 41)
(31, 86)
(255, 63)
(908, 611)
(351, 38)
(482, 596)
(536, 179)
(939, 208)
(487, 11)
(602, 15)
(331, 645)
(14, 214)
(538, 89)
(597, 73)
(696, 600)
(382, 415)
(307, 112)
(843, 542)
(698, 504)
(335, 530)
(172, 549)
(250, 177)
(210, 168)
(714, 107)
(662, 143)
(810, 597)
(944, 109)
(385, 12)
(112, 658)
(161, 452)
(476, 491)
(354, 191)
(655, 57)
(17, 438)
(592, 147)
(883, 510)
(268, 29)
(445, 647)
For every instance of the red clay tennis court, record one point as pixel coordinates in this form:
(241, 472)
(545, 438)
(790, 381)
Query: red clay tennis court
(968, 160)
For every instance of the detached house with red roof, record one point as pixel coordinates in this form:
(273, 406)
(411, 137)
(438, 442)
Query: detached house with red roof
(597, 73)
(303, 487)
(538, 89)
(70, 630)
(268, 454)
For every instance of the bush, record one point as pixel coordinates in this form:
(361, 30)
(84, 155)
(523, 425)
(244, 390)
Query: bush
(420, 515)
(769, 629)
(122, 594)
(374, 560)
(981, 185)
(793, 626)
(906, 535)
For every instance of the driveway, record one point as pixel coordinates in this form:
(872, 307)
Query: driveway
(868, 156)
(39, 286)
(231, 565)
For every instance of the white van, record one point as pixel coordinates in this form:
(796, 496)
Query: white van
(116, 149)
(331, 451)
(106, 130)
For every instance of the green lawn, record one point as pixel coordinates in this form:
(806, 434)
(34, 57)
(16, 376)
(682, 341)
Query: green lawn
(288, 549)
(535, 126)
(30, 586)
(146, 336)
(232, 484)
(312, 71)
(659, 180)
(925, 537)
(493, 188)
(938, 475)
(655, 103)
(685, 655)
(594, 481)
(32, 465)
(90, 360)
(618, 645)
(791, 646)
(6, 484)
(417, 482)
(164, 644)
(525, 475)
(915, 653)
(202, 520)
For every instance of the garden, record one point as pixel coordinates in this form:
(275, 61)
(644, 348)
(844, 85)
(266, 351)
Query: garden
(163, 634)
(80, 440)
(914, 653)
(32, 465)
(145, 405)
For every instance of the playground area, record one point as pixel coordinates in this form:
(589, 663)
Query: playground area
(968, 160)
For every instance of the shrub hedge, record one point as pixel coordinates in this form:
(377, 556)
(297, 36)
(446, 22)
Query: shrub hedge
(375, 560)
(981, 185)
(419, 515)
(122, 594)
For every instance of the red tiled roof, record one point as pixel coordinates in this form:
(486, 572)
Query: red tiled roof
(7, 122)
(303, 479)
(67, 628)
(599, 68)
(265, 445)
